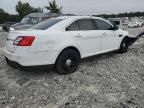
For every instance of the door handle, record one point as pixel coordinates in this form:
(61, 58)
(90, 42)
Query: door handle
(78, 36)
(105, 34)
(120, 35)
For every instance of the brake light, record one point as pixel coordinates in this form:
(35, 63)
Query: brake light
(24, 41)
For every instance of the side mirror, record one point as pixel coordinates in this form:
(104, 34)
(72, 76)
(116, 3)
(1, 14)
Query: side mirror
(115, 27)
(117, 22)
(67, 29)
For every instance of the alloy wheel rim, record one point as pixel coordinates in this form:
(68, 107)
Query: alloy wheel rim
(124, 45)
(69, 64)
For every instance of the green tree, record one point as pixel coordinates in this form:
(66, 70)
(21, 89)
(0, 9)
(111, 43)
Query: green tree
(24, 9)
(2, 11)
(38, 10)
(53, 7)
(3, 16)
(6, 17)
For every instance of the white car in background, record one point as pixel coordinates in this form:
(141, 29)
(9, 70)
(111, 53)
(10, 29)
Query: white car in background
(135, 24)
(124, 22)
(63, 41)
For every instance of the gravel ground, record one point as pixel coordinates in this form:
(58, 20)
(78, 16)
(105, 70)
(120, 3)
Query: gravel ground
(106, 81)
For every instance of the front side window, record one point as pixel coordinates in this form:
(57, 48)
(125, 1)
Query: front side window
(86, 24)
(102, 25)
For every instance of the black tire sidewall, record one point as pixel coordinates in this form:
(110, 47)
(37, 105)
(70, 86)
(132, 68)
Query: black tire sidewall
(124, 48)
(66, 54)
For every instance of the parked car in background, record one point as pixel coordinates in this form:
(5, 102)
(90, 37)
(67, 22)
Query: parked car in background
(135, 24)
(33, 19)
(125, 22)
(118, 22)
(64, 41)
(6, 26)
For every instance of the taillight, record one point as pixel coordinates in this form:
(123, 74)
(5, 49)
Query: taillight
(24, 40)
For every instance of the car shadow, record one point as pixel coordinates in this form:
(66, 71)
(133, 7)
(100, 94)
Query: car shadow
(100, 56)
(49, 69)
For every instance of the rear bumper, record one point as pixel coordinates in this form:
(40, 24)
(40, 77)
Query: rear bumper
(13, 64)
(29, 68)
(32, 59)
(11, 56)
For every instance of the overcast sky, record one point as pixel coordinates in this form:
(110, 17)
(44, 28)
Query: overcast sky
(82, 7)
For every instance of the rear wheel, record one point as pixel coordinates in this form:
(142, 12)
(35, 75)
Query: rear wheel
(67, 62)
(124, 46)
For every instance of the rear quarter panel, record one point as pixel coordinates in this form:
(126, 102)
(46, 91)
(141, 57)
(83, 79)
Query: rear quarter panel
(52, 41)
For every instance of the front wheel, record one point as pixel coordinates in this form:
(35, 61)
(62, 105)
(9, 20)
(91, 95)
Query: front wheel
(67, 62)
(124, 46)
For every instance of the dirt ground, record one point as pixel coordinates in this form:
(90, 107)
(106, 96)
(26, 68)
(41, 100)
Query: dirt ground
(107, 81)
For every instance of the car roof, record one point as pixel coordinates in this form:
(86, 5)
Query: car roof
(76, 17)
(67, 20)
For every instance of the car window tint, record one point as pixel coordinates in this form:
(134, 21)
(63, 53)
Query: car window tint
(73, 27)
(45, 24)
(102, 25)
(86, 24)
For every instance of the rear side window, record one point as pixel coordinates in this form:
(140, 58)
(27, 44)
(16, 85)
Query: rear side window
(73, 27)
(81, 24)
(102, 25)
(45, 24)
(86, 24)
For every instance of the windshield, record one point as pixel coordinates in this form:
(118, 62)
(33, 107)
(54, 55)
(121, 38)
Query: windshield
(30, 20)
(46, 24)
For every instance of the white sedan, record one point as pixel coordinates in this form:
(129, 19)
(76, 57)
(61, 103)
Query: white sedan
(63, 41)
(135, 24)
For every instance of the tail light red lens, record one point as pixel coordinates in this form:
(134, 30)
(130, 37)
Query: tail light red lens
(24, 40)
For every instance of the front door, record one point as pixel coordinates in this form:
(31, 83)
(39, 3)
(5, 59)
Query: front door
(109, 38)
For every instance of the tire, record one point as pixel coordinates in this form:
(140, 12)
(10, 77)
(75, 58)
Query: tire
(67, 62)
(124, 46)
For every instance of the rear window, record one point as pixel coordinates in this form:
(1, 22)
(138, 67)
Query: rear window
(45, 24)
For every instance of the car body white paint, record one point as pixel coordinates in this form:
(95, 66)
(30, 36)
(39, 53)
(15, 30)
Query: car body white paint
(49, 43)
